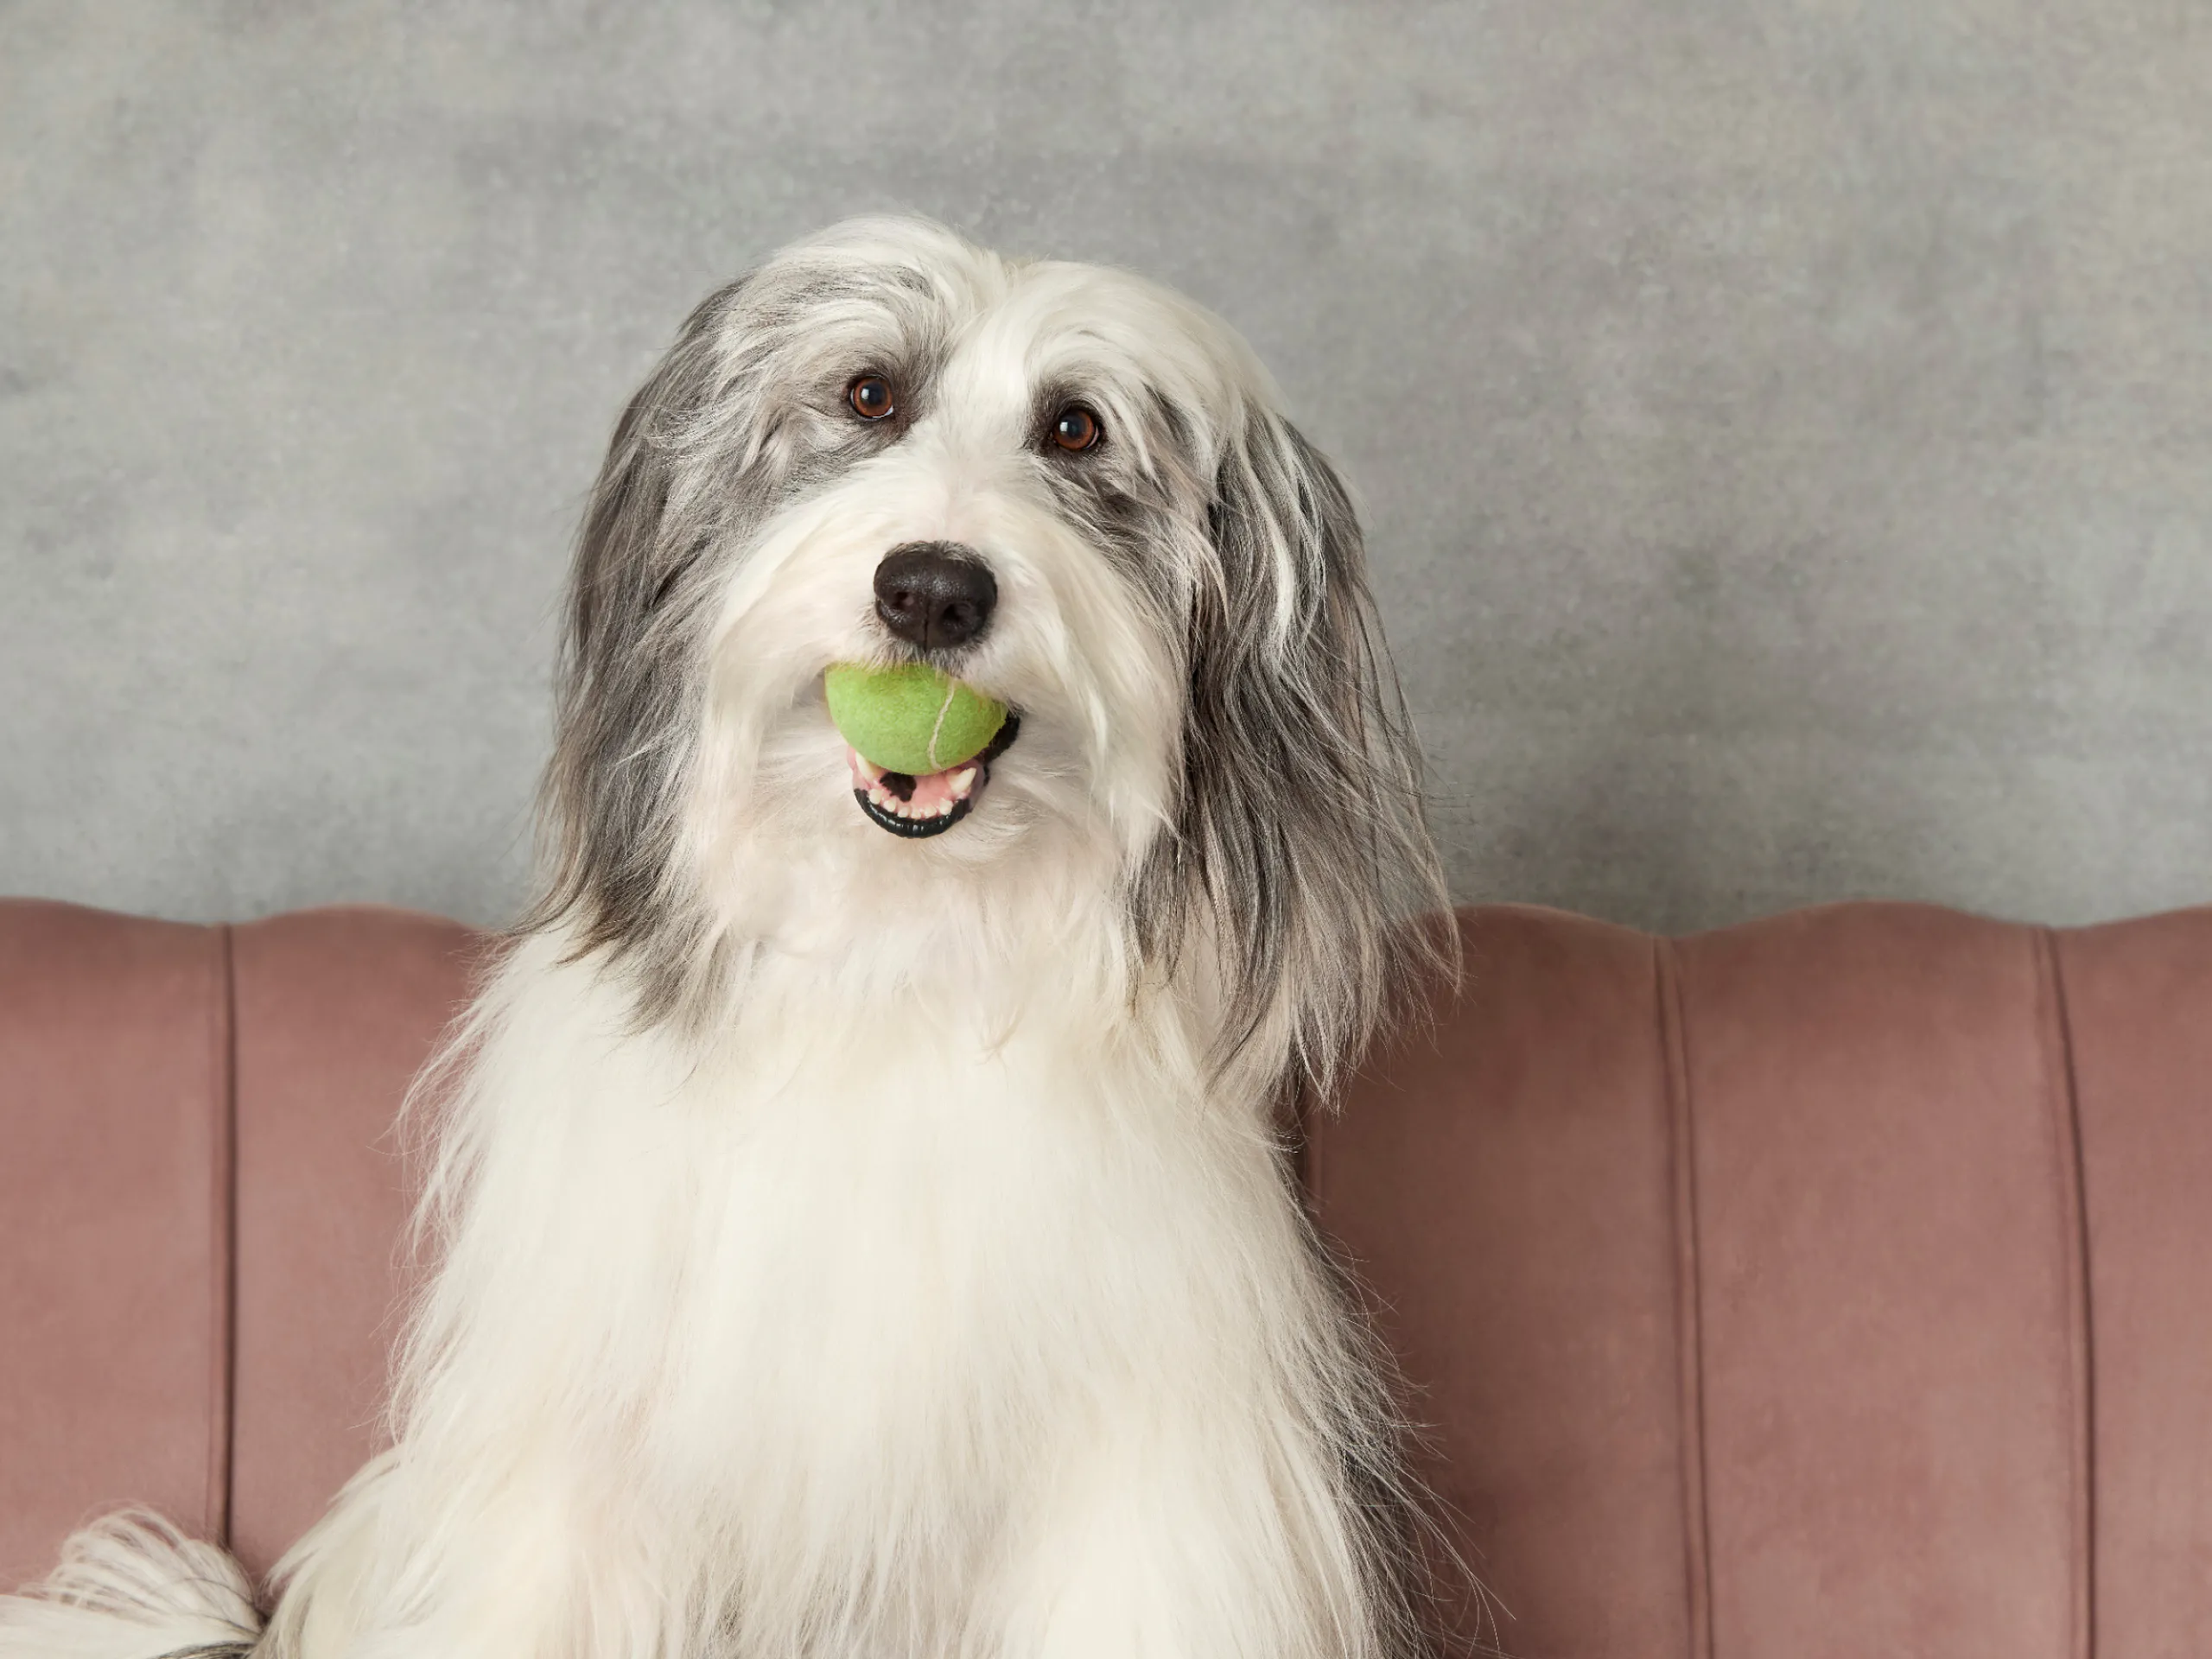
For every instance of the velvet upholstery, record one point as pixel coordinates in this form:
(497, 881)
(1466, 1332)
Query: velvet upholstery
(200, 1209)
(1834, 1285)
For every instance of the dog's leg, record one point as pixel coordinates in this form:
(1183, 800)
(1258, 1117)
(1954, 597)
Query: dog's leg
(1198, 1546)
(524, 1564)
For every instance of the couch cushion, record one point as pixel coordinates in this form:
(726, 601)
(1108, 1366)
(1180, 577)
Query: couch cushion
(2139, 1005)
(1504, 1180)
(1888, 1247)
(115, 1059)
(337, 1009)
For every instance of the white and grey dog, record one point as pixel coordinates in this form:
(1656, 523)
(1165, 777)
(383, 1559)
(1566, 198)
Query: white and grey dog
(852, 1242)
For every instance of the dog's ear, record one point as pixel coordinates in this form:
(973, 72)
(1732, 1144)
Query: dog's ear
(630, 659)
(1300, 847)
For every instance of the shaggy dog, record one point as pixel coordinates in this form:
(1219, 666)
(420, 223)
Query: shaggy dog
(861, 1205)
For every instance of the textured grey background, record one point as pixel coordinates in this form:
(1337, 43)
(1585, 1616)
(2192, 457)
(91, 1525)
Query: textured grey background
(1785, 428)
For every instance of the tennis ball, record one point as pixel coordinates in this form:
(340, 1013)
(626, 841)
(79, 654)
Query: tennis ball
(910, 717)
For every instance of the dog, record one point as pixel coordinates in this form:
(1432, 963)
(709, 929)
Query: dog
(861, 1209)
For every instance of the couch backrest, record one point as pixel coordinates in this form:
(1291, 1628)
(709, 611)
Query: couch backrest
(201, 1207)
(1834, 1285)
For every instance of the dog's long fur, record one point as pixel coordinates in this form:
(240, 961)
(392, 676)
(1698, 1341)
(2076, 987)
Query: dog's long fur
(852, 1245)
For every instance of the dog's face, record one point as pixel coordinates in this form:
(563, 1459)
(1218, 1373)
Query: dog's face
(1067, 488)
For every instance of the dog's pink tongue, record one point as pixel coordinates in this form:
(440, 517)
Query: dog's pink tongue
(933, 796)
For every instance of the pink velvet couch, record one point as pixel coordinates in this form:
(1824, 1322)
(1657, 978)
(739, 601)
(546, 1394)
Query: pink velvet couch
(1836, 1284)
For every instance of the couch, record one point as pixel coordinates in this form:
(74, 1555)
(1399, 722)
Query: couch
(1837, 1284)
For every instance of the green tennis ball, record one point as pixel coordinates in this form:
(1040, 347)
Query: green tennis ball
(910, 717)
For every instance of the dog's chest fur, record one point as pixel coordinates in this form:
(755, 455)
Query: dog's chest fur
(878, 1272)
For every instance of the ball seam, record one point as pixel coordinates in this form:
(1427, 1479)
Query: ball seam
(937, 731)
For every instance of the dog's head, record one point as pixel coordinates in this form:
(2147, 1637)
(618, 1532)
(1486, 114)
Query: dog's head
(1066, 487)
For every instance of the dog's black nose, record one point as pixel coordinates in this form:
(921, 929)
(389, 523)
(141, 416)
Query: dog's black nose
(935, 595)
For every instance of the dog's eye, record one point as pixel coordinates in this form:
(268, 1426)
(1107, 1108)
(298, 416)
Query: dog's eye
(1077, 430)
(870, 397)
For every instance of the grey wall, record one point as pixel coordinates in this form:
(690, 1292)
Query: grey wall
(1785, 428)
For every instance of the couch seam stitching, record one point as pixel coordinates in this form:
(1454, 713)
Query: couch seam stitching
(2080, 1328)
(1689, 1313)
(223, 1244)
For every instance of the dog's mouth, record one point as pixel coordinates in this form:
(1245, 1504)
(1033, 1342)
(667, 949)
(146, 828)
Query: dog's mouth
(932, 804)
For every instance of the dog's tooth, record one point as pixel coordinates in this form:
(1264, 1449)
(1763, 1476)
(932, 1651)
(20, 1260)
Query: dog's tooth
(963, 780)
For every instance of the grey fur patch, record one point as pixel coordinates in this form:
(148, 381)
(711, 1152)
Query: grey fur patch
(745, 412)
(1299, 833)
